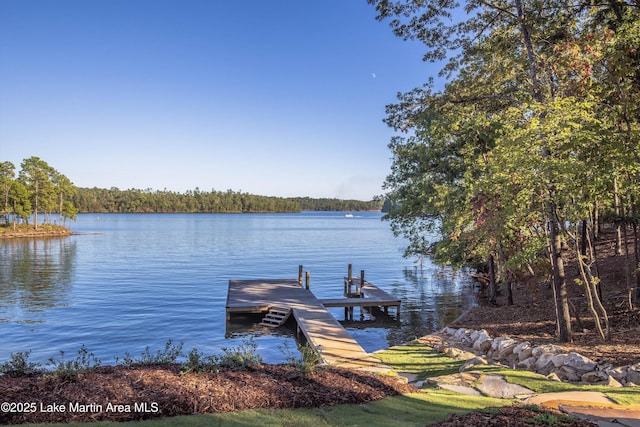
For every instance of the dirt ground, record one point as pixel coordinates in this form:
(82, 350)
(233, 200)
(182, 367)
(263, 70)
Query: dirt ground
(532, 317)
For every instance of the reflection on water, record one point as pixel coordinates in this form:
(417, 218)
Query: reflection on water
(35, 275)
(127, 282)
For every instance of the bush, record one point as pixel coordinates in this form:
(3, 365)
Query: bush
(307, 362)
(19, 365)
(70, 369)
(197, 362)
(168, 356)
(243, 356)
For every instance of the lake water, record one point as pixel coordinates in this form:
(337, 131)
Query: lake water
(128, 281)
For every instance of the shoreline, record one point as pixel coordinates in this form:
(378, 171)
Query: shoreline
(28, 231)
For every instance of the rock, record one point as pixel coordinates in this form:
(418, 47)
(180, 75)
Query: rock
(470, 363)
(612, 382)
(554, 377)
(462, 333)
(497, 386)
(595, 377)
(474, 335)
(558, 359)
(520, 347)
(633, 374)
(579, 362)
(482, 342)
(620, 373)
(469, 391)
(528, 363)
(544, 365)
(525, 353)
(458, 353)
(546, 348)
(630, 384)
(567, 373)
(506, 351)
(450, 331)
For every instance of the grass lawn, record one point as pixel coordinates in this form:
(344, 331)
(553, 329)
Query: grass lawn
(415, 409)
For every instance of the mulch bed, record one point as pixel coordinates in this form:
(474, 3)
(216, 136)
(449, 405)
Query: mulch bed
(149, 392)
(512, 416)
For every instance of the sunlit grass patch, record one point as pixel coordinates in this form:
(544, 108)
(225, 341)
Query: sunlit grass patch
(419, 359)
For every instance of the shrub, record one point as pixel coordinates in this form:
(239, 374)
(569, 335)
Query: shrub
(168, 356)
(307, 362)
(243, 356)
(19, 365)
(70, 369)
(197, 362)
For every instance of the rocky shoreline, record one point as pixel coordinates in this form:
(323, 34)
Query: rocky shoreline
(477, 347)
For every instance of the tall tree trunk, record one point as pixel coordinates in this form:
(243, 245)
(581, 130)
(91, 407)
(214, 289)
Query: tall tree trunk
(555, 241)
(559, 281)
(583, 237)
(616, 206)
(492, 281)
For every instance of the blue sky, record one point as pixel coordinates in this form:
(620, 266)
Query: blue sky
(281, 97)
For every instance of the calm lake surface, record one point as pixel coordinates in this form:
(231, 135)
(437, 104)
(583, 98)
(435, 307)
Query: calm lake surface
(129, 281)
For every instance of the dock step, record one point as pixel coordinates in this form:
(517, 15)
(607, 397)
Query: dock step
(276, 316)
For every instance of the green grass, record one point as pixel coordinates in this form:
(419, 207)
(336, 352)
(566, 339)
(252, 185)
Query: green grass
(415, 409)
(419, 359)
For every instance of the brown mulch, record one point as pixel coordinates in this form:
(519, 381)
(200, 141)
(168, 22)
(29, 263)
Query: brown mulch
(148, 392)
(511, 416)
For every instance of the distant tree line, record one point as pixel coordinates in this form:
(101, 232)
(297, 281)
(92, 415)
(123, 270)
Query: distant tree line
(115, 200)
(39, 189)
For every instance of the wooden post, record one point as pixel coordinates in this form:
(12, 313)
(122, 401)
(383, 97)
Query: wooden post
(362, 278)
(349, 272)
(308, 279)
(300, 274)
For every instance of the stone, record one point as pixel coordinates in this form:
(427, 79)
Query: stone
(558, 359)
(544, 365)
(469, 391)
(461, 334)
(595, 377)
(528, 363)
(579, 362)
(497, 386)
(525, 353)
(633, 374)
(450, 331)
(620, 373)
(458, 353)
(554, 377)
(520, 347)
(612, 382)
(474, 335)
(546, 348)
(483, 343)
(506, 351)
(470, 363)
(567, 373)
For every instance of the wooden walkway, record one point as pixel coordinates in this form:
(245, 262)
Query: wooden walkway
(321, 330)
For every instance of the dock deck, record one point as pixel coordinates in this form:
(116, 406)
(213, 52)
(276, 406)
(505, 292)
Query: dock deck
(322, 331)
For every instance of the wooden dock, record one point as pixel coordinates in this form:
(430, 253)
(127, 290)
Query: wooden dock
(321, 330)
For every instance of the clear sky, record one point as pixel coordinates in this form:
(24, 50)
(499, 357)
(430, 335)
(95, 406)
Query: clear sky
(278, 97)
